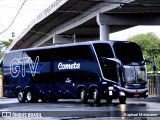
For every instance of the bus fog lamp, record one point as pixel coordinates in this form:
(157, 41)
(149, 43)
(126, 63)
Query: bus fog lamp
(122, 93)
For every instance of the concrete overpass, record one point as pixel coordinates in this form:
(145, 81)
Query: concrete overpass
(67, 21)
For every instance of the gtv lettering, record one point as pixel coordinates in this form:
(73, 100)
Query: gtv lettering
(18, 65)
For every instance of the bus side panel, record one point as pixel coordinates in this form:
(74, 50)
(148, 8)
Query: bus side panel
(74, 73)
(63, 82)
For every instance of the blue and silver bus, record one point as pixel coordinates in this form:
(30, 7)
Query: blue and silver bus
(88, 70)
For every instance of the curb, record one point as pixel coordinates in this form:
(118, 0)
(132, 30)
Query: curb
(149, 99)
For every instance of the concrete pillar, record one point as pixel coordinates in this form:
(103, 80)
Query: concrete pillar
(104, 32)
(103, 27)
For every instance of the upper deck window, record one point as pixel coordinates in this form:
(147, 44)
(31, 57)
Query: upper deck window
(81, 52)
(103, 50)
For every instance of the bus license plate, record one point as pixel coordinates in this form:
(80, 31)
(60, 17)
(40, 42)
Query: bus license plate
(136, 95)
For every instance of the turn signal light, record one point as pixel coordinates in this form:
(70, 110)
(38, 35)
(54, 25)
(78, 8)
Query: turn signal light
(126, 85)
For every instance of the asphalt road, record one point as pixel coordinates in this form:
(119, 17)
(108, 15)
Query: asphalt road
(74, 109)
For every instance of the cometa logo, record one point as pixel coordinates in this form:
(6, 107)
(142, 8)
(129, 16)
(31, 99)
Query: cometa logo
(62, 66)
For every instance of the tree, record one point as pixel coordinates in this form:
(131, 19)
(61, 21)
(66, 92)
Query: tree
(4, 45)
(150, 45)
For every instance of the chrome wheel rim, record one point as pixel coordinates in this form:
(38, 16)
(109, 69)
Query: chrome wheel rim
(20, 96)
(95, 94)
(82, 95)
(29, 96)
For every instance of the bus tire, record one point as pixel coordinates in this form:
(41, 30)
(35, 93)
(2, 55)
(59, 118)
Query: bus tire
(122, 100)
(109, 100)
(29, 97)
(44, 99)
(21, 97)
(96, 96)
(53, 100)
(83, 96)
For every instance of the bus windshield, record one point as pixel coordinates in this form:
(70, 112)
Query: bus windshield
(128, 53)
(135, 74)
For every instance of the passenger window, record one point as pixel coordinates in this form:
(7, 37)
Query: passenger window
(82, 52)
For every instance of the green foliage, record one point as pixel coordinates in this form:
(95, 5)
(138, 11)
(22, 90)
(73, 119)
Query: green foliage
(5, 44)
(150, 45)
(1, 54)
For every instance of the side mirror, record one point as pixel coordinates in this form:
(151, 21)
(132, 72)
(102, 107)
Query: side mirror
(153, 63)
(114, 60)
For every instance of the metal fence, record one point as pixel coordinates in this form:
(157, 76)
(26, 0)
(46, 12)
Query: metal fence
(154, 84)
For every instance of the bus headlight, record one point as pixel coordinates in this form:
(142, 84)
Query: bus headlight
(118, 87)
(110, 88)
(146, 93)
(122, 93)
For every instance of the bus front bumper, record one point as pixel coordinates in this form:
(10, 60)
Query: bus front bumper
(132, 93)
(135, 93)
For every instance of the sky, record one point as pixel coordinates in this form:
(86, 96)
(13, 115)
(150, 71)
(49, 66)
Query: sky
(125, 34)
(9, 9)
(32, 8)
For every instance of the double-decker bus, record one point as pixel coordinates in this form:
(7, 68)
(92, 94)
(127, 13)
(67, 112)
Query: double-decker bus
(88, 70)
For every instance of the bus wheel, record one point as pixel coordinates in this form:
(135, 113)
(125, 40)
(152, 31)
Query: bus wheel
(54, 100)
(96, 96)
(44, 99)
(122, 100)
(109, 100)
(83, 96)
(30, 98)
(21, 97)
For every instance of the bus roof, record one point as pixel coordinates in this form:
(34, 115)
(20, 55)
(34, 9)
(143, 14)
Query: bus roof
(67, 45)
